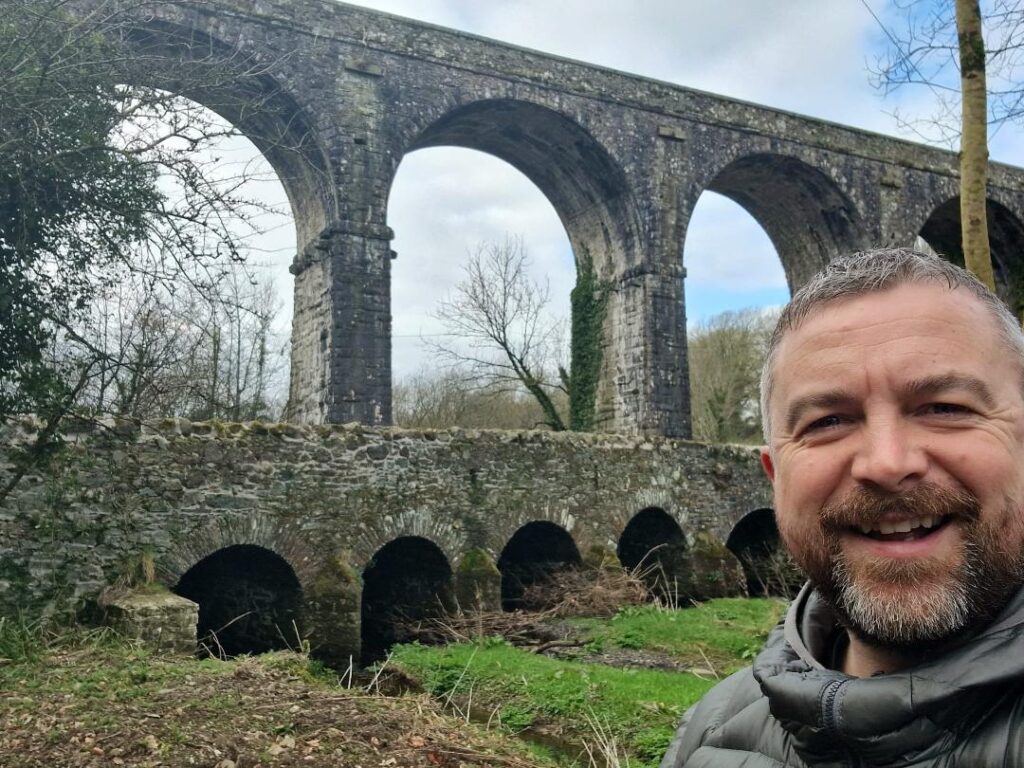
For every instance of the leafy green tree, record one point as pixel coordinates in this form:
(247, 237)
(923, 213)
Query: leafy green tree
(71, 204)
(726, 353)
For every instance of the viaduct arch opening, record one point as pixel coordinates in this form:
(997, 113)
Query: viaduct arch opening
(734, 279)
(652, 545)
(241, 88)
(445, 204)
(249, 601)
(586, 187)
(941, 232)
(534, 555)
(807, 217)
(409, 579)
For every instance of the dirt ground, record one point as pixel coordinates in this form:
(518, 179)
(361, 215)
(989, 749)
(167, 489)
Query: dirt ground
(94, 707)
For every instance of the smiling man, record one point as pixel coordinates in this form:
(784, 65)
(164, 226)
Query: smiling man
(893, 401)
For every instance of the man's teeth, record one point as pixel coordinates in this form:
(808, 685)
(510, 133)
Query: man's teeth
(902, 526)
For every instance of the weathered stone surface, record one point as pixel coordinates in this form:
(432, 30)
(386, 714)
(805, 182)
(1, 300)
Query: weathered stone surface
(310, 493)
(161, 620)
(347, 92)
(477, 582)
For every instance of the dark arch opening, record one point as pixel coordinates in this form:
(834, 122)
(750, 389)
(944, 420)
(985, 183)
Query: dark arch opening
(1006, 234)
(766, 564)
(652, 545)
(585, 185)
(248, 600)
(534, 554)
(409, 579)
(807, 217)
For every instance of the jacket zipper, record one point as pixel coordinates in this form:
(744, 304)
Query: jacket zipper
(829, 716)
(828, 706)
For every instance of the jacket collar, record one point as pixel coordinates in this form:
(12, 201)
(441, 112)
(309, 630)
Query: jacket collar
(901, 716)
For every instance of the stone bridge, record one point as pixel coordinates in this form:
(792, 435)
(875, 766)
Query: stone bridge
(343, 528)
(342, 94)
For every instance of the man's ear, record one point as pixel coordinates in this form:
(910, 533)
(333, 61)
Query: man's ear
(766, 463)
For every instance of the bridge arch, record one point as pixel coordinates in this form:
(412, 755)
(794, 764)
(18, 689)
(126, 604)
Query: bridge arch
(805, 213)
(173, 55)
(755, 542)
(586, 186)
(249, 600)
(406, 580)
(534, 553)
(941, 230)
(653, 545)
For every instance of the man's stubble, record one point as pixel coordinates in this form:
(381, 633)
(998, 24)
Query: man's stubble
(913, 604)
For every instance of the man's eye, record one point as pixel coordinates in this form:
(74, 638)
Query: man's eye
(946, 409)
(824, 423)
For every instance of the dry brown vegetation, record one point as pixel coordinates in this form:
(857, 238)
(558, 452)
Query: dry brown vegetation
(99, 705)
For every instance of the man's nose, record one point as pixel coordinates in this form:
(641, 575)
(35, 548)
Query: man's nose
(889, 455)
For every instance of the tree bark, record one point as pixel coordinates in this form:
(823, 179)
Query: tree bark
(973, 142)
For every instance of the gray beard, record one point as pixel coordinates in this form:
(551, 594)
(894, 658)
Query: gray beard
(886, 620)
(928, 613)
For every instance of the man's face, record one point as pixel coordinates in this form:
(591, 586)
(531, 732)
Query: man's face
(897, 461)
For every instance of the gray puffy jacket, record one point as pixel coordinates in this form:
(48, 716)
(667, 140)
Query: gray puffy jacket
(964, 708)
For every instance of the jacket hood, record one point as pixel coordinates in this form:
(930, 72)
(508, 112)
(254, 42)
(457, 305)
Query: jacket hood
(901, 717)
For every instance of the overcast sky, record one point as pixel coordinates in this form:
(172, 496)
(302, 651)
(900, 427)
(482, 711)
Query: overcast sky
(807, 56)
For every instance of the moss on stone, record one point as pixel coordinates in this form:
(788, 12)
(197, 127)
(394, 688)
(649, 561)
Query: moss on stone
(477, 582)
(601, 557)
(710, 570)
(331, 611)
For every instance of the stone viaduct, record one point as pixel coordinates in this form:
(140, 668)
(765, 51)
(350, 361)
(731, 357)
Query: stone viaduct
(344, 94)
(338, 523)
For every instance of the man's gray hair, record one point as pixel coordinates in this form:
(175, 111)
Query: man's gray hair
(870, 272)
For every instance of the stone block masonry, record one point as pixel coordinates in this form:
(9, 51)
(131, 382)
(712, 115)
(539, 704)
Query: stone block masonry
(327, 499)
(345, 93)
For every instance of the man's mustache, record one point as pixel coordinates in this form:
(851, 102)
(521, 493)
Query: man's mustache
(868, 506)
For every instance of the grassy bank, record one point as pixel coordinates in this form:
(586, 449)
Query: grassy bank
(579, 702)
(91, 700)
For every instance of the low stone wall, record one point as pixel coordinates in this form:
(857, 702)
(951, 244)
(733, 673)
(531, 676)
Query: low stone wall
(325, 499)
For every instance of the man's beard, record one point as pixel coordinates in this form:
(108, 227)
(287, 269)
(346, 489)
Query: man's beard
(920, 603)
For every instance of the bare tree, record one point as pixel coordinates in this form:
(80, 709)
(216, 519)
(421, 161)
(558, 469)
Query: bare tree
(185, 353)
(499, 333)
(440, 399)
(971, 62)
(99, 180)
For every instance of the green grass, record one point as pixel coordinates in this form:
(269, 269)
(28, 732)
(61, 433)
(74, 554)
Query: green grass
(727, 632)
(638, 707)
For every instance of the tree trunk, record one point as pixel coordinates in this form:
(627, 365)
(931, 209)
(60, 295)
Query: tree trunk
(973, 142)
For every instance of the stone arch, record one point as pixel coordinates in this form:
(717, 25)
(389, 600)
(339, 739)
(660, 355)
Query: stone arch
(755, 542)
(249, 600)
(406, 580)
(653, 545)
(240, 87)
(586, 186)
(533, 554)
(807, 216)
(941, 230)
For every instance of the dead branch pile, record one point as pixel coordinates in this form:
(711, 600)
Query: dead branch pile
(570, 592)
(587, 592)
(522, 628)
